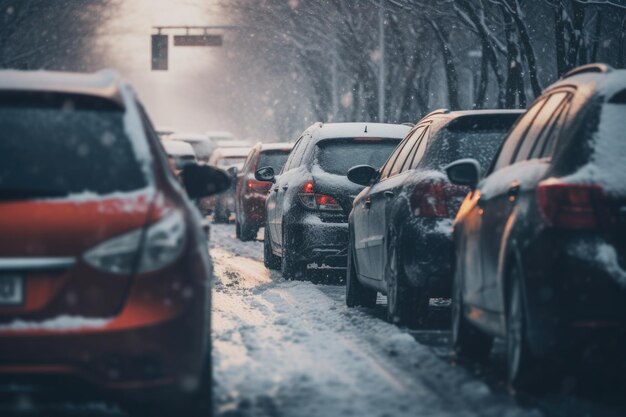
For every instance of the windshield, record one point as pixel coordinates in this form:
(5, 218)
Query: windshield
(274, 159)
(53, 152)
(230, 161)
(337, 156)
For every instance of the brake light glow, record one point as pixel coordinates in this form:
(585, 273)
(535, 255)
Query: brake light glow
(574, 206)
(432, 198)
(259, 186)
(313, 201)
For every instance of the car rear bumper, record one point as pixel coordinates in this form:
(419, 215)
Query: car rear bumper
(428, 254)
(252, 207)
(320, 245)
(159, 340)
(574, 290)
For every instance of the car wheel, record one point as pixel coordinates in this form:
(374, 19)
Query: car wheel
(246, 233)
(356, 293)
(270, 260)
(290, 268)
(467, 340)
(406, 305)
(237, 229)
(523, 369)
(220, 215)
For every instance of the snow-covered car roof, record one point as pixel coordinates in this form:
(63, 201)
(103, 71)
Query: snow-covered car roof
(606, 83)
(278, 146)
(189, 137)
(361, 130)
(230, 153)
(178, 148)
(233, 144)
(105, 84)
(220, 135)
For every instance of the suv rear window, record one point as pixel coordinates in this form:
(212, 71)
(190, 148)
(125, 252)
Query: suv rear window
(337, 156)
(56, 145)
(274, 159)
(477, 137)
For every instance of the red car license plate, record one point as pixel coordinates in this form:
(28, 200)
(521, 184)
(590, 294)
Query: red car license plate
(11, 289)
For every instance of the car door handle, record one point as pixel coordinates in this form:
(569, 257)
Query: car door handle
(388, 194)
(367, 203)
(285, 187)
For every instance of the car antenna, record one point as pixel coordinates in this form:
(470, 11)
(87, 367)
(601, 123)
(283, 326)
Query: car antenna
(365, 128)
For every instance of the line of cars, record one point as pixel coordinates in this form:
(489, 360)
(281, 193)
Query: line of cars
(519, 217)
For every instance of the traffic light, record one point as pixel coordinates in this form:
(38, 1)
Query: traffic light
(159, 52)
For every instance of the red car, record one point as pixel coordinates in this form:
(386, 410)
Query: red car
(104, 269)
(250, 194)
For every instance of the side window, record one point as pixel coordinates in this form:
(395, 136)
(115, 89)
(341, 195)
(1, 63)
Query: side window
(404, 153)
(510, 146)
(546, 143)
(415, 138)
(540, 123)
(289, 163)
(386, 169)
(305, 148)
(421, 149)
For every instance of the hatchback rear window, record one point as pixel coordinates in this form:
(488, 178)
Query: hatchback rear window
(53, 146)
(337, 156)
(478, 138)
(274, 159)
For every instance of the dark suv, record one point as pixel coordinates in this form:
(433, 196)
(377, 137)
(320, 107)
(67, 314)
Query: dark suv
(541, 240)
(401, 224)
(309, 203)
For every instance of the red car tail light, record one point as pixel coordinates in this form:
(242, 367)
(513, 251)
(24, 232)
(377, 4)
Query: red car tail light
(573, 206)
(313, 201)
(431, 198)
(147, 250)
(258, 186)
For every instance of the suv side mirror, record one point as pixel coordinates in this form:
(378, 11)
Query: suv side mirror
(465, 172)
(265, 174)
(362, 174)
(204, 180)
(233, 171)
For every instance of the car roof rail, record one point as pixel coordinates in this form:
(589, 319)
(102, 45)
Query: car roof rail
(589, 68)
(438, 111)
(409, 124)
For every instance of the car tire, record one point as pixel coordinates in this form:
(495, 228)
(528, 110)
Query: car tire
(220, 215)
(357, 295)
(246, 233)
(524, 370)
(406, 305)
(290, 268)
(467, 340)
(270, 260)
(237, 229)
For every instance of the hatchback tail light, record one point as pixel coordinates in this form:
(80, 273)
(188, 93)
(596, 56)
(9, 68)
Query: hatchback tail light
(574, 206)
(141, 250)
(258, 186)
(436, 198)
(313, 201)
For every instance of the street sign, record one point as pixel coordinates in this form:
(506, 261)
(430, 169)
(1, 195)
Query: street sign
(159, 52)
(198, 40)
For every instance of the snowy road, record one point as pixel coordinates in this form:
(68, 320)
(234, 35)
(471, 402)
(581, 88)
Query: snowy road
(285, 348)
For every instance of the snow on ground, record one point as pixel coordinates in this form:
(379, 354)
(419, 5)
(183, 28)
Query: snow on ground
(290, 348)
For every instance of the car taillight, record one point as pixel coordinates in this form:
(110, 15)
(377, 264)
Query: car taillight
(141, 250)
(573, 206)
(313, 201)
(259, 186)
(433, 198)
